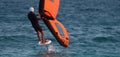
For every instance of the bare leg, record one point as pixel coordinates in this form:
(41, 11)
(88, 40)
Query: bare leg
(42, 33)
(38, 34)
(41, 39)
(42, 36)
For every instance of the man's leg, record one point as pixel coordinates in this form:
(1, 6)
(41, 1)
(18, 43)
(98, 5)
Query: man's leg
(38, 35)
(42, 40)
(42, 34)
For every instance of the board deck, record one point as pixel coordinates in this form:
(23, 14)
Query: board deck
(46, 43)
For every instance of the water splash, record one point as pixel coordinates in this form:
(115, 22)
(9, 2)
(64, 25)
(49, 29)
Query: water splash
(51, 48)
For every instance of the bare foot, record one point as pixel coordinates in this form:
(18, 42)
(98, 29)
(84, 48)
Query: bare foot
(44, 41)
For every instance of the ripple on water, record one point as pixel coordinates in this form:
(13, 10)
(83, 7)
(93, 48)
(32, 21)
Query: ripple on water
(105, 39)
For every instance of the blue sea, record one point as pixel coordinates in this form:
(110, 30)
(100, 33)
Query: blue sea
(93, 26)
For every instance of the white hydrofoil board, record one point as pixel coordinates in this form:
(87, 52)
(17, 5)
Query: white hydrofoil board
(46, 43)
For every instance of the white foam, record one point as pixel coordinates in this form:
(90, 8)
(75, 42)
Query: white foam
(51, 48)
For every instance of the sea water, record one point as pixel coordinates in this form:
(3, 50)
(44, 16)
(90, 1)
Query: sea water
(93, 26)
